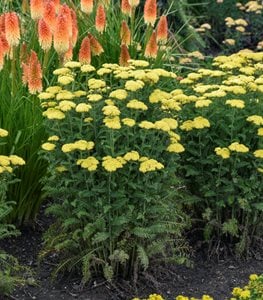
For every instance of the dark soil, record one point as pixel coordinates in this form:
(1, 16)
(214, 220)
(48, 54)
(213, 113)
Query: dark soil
(216, 278)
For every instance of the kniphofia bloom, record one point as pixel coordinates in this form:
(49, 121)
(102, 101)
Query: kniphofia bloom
(100, 20)
(124, 56)
(44, 35)
(125, 34)
(150, 12)
(36, 9)
(95, 46)
(162, 30)
(61, 35)
(86, 6)
(12, 29)
(151, 49)
(85, 51)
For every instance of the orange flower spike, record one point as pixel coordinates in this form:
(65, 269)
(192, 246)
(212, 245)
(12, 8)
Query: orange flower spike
(12, 30)
(75, 30)
(86, 6)
(162, 30)
(36, 9)
(124, 56)
(95, 46)
(49, 14)
(61, 35)
(44, 35)
(100, 20)
(151, 49)
(125, 34)
(125, 7)
(150, 12)
(4, 49)
(4, 43)
(66, 12)
(69, 54)
(57, 5)
(2, 23)
(85, 51)
(34, 75)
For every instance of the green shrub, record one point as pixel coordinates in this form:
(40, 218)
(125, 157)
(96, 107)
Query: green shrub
(221, 129)
(113, 182)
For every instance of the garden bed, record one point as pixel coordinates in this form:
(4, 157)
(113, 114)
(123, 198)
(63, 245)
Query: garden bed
(215, 277)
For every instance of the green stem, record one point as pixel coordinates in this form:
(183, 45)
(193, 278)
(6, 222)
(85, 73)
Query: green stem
(13, 72)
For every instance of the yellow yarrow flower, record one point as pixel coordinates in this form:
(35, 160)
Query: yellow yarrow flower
(132, 155)
(200, 123)
(112, 122)
(253, 277)
(238, 147)
(65, 79)
(53, 89)
(87, 69)
(187, 125)
(48, 146)
(134, 85)
(158, 96)
(4, 169)
(203, 103)
(46, 96)
(95, 84)
(80, 93)
(3, 132)
(236, 103)
(62, 71)
(128, 122)
(111, 164)
(136, 104)
(138, 63)
(150, 165)
(103, 71)
(66, 105)
(258, 153)
(94, 97)
(54, 114)
(111, 110)
(176, 148)
(119, 94)
(90, 163)
(162, 125)
(83, 107)
(223, 152)
(257, 120)
(4, 160)
(16, 160)
(72, 64)
(53, 138)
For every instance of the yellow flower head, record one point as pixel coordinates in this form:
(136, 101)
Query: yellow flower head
(52, 113)
(112, 122)
(3, 132)
(95, 84)
(150, 165)
(119, 94)
(236, 103)
(128, 122)
(223, 152)
(176, 148)
(111, 164)
(134, 85)
(48, 146)
(258, 153)
(136, 104)
(238, 147)
(111, 110)
(132, 155)
(83, 107)
(90, 163)
(16, 160)
(94, 97)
